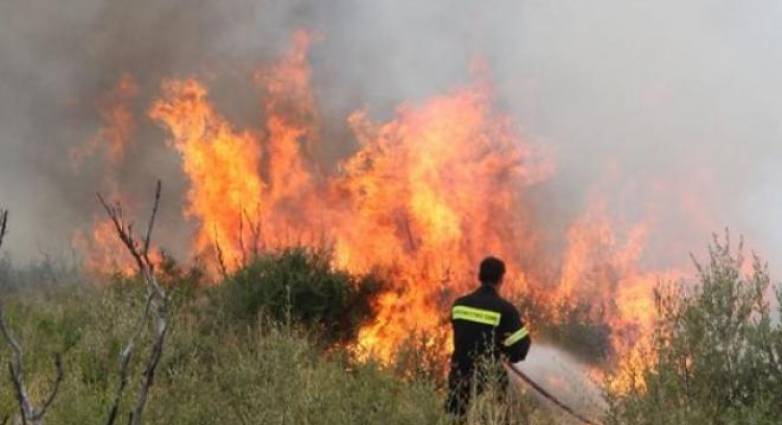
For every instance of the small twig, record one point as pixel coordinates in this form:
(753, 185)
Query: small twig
(16, 369)
(19, 393)
(9, 338)
(258, 243)
(27, 411)
(3, 224)
(220, 257)
(125, 356)
(124, 231)
(255, 229)
(241, 240)
(55, 388)
(409, 233)
(158, 189)
(149, 374)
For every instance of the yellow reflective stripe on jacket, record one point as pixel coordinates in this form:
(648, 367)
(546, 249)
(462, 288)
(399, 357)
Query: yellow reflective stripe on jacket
(477, 315)
(516, 336)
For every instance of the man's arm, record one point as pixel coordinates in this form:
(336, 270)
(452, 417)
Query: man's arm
(515, 340)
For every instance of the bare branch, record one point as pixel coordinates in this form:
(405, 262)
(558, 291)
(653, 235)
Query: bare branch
(16, 370)
(9, 338)
(158, 189)
(156, 306)
(57, 381)
(149, 374)
(124, 231)
(241, 240)
(125, 357)
(19, 393)
(28, 412)
(409, 233)
(255, 229)
(3, 223)
(220, 257)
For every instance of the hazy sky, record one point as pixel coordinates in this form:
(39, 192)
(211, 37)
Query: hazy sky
(668, 108)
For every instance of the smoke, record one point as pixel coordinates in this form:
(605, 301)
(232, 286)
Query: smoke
(662, 109)
(564, 377)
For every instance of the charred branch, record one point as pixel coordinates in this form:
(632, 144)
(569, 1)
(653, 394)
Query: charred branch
(156, 308)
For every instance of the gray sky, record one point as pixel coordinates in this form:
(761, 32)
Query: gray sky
(666, 108)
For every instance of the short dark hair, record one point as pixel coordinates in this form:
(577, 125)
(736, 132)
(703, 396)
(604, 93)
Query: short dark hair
(492, 270)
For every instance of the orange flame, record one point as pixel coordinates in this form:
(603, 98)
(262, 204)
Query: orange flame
(119, 125)
(426, 195)
(429, 194)
(103, 252)
(221, 163)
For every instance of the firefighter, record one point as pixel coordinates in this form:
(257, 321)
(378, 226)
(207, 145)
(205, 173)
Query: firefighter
(485, 326)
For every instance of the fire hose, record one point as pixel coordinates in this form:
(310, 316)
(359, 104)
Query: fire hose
(542, 391)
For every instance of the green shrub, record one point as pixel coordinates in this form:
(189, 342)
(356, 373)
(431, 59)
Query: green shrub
(716, 350)
(300, 285)
(226, 360)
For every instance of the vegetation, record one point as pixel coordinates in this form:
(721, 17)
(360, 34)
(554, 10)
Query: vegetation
(716, 351)
(221, 364)
(271, 344)
(264, 373)
(299, 285)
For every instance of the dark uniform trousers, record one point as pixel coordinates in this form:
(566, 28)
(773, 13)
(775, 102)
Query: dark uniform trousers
(485, 328)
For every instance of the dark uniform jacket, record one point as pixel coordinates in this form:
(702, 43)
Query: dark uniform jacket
(483, 324)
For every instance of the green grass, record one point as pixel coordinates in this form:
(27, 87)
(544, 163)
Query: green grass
(262, 372)
(261, 348)
(228, 359)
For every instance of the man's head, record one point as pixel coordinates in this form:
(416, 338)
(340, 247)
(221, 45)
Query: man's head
(492, 271)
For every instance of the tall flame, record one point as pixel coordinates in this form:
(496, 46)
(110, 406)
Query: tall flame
(221, 163)
(429, 194)
(102, 251)
(426, 195)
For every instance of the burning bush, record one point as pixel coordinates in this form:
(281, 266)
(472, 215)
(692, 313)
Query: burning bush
(300, 285)
(716, 351)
